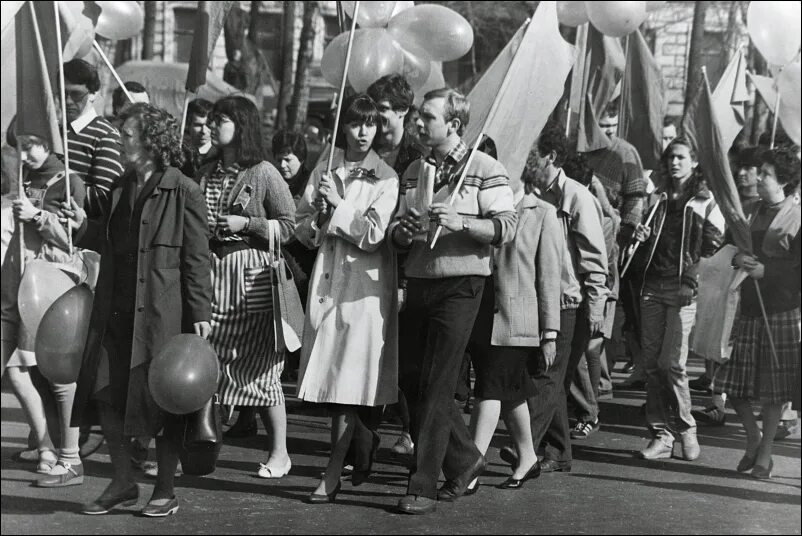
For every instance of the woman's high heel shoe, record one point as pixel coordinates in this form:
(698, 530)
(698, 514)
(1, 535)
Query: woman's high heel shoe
(763, 473)
(316, 498)
(516, 483)
(473, 487)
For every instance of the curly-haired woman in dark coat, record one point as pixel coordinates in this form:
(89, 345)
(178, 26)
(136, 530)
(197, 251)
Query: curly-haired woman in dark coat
(154, 283)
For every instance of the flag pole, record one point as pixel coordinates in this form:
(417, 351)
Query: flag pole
(184, 114)
(475, 148)
(113, 70)
(20, 193)
(64, 123)
(776, 117)
(342, 89)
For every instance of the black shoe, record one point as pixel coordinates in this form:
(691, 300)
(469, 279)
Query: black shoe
(710, 415)
(415, 504)
(629, 368)
(316, 498)
(456, 488)
(516, 483)
(246, 430)
(161, 510)
(701, 384)
(359, 476)
(553, 466)
(89, 445)
(634, 385)
(472, 490)
(509, 455)
(104, 503)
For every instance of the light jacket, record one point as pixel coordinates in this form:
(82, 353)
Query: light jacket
(527, 277)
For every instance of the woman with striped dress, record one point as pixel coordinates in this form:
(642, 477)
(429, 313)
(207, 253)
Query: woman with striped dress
(243, 194)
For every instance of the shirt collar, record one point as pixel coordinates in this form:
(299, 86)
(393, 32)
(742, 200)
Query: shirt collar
(456, 154)
(84, 119)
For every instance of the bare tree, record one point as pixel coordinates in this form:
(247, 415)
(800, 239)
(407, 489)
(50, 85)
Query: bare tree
(291, 12)
(696, 54)
(149, 31)
(300, 98)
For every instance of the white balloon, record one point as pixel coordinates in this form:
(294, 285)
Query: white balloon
(616, 19)
(775, 29)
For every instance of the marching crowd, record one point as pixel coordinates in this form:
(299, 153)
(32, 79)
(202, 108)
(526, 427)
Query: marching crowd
(408, 277)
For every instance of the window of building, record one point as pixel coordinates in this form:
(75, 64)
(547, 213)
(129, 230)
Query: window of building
(268, 38)
(183, 31)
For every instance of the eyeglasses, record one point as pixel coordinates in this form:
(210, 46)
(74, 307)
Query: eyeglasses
(76, 95)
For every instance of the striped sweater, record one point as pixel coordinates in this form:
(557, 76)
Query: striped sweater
(620, 170)
(96, 156)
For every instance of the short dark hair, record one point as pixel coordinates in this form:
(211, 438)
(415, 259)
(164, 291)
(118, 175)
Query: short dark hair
(576, 166)
(78, 71)
(552, 139)
(359, 108)
(750, 157)
(159, 132)
(669, 121)
(118, 97)
(26, 140)
(199, 107)
(456, 106)
(785, 163)
(679, 140)
(393, 88)
(248, 133)
(288, 141)
(611, 110)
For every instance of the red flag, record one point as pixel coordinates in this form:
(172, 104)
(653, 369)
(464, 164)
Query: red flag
(729, 99)
(36, 109)
(642, 107)
(209, 24)
(603, 68)
(700, 125)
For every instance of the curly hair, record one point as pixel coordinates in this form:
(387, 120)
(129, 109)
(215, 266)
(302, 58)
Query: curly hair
(552, 139)
(786, 166)
(159, 132)
(393, 88)
(247, 128)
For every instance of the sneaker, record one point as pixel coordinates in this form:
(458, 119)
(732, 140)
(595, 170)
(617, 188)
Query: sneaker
(786, 428)
(404, 445)
(690, 444)
(47, 461)
(710, 415)
(583, 429)
(702, 384)
(63, 474)
(657, 449)
(151, 469)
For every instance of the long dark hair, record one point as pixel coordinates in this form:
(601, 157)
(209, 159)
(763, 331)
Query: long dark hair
(359, 109)
(248, 131)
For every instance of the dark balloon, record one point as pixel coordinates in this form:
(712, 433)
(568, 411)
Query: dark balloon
(183, 376)
(61, 336)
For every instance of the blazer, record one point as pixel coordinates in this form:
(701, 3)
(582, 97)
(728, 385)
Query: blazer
(527, 277)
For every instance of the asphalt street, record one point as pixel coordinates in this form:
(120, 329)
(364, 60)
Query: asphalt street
(609, 490)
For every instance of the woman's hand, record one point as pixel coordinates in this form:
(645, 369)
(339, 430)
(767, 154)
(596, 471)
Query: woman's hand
(642, 233)
(232, 224)
(754, 268)
(328, 190)
(72, 213)
(202, 329)
(24, 211)
(549, 351)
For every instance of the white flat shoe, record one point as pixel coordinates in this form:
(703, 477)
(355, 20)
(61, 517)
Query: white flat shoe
(270, 472)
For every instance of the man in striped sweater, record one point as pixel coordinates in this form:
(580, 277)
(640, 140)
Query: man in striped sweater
(445, 288)
(93, 143)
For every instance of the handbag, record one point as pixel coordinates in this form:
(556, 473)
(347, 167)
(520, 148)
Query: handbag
(203, 439)
(288, 314)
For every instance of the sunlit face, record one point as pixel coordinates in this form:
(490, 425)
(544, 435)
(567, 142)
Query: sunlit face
(609, 125)
(78, 99)
(680, 162)
(669, 133)
(392, 120)
(133, 147)
(288, 165)
(222, 130)
(768, 187)
(433, 129)
(747, 177)
(33, 155)
(359, 136)
(539, 165)
(199, 130)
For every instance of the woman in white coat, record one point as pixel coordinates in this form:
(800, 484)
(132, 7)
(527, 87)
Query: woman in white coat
(349, 354)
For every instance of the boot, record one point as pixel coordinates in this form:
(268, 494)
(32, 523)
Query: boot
(690, 445)
(658, 448)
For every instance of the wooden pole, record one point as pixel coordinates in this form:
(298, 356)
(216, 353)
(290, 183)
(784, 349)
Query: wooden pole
(776, 117)
(64, 122)
(20, 193)
(184, 115)
(113, 71)
(630, 252)
(493, 108)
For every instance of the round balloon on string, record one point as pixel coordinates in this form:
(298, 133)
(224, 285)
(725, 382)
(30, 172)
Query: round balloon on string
(332, 63)
(401, 6)
(371, 14)
(414, 68)
(789, 84)
(374, 55)
(41, 285)
(183, 376)
(81, 30)
(571, 13)
(775, 29)
(435, 81)
(119, 20)
(62, 333)
(616, 19)
(432, 31)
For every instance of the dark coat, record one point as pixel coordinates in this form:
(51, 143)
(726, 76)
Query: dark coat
(174, 291)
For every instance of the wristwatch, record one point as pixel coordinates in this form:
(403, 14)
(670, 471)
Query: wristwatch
(466, 224)
(548, 335)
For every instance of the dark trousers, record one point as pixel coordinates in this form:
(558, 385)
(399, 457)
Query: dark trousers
(440, 316)
(549, 407)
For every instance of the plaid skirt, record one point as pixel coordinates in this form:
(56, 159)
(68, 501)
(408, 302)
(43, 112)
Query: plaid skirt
(752, 373)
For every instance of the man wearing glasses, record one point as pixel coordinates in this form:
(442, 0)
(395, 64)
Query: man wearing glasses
(94, 144)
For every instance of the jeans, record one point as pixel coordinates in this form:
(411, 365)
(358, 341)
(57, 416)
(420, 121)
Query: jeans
(549, 407)
(440, 316)
(666, 326)
(584, 370)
